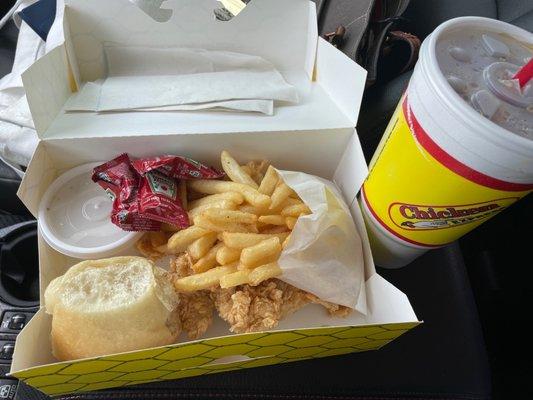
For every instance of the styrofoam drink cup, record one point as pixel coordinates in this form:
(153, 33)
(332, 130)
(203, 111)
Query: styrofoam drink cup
(459, 147)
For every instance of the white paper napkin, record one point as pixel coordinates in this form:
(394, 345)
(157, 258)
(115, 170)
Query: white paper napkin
(89, 95)
(174, 79)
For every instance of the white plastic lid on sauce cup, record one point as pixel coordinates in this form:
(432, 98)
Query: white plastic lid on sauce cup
(74, 217)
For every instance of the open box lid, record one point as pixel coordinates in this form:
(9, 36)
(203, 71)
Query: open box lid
(282, 32)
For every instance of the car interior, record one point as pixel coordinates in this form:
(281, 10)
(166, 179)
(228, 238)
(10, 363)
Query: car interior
(472, 295)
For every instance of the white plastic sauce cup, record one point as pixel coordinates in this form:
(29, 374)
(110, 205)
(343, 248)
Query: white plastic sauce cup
(74, 217)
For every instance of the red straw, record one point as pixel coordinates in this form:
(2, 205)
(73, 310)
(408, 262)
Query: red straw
(524, 74)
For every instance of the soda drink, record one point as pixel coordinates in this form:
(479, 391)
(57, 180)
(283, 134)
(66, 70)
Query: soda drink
(459, 147)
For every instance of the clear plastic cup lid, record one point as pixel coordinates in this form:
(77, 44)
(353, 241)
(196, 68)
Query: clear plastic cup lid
(480, 65)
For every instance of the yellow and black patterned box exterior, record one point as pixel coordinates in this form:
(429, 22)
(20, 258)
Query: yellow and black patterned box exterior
(194, 358)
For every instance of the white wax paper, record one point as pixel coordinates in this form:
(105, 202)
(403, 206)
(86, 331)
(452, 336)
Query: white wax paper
(324, 255)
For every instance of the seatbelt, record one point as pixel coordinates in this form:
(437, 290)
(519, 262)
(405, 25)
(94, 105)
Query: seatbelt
(363, 30)
(387, 14)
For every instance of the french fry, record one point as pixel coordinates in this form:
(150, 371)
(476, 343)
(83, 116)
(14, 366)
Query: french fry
(247, 169)
(223, 241)
(264, 272)
(258, 170)
(221, 204)
(234, 171)
(281, 193)
(234, 197)
(248, 208)
(157, 238)
(243, 240)
(144, 246)
(207, 224)
(286, 242)
(242, 267)
(291, 201)
(169, 228)
(251, 195)
(262, 253)
(182, 192)
(291, 221)
(295, 210)
(208, 261)
(193, 195)
(235, 279)
(164, 249)
(201, 246)
(272, 219)
(179, 241)
(268, 184)
(227, 255)
(204, 280)
(270, 229)
(230, 216)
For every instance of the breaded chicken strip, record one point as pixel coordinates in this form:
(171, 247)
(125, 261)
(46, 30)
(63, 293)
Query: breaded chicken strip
(246, 308)
(195, 308)
(256, 308)
(335, 310)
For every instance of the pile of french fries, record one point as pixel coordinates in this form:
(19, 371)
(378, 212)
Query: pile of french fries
(238, 228)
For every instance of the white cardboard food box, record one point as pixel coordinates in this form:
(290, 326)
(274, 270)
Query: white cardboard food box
(316, 136)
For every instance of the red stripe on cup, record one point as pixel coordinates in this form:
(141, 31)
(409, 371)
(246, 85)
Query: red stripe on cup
(453, 164)
(384, 225)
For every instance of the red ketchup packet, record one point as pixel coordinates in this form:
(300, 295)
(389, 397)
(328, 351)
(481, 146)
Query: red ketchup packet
(177, 167)
(159, 200)
(158, 197)
(145, 191)
(121, 182)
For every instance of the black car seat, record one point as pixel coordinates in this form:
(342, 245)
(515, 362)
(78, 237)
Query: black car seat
(421, 18)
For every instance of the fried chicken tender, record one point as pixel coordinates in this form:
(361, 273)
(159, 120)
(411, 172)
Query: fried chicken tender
(195, 308)
(145, 247)
(256, 308)
(246, 308)
(335, 310)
